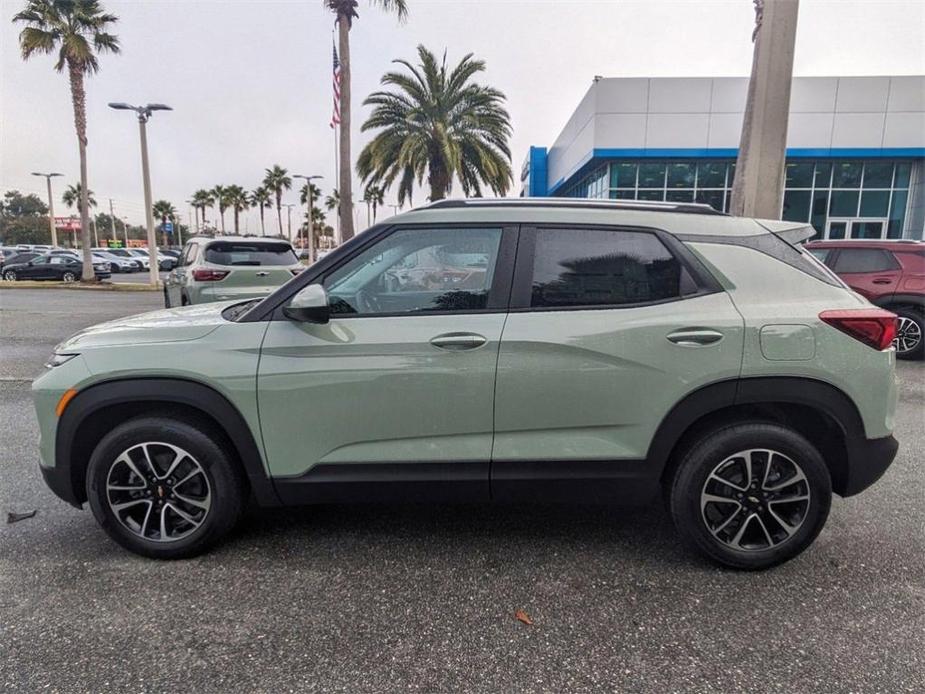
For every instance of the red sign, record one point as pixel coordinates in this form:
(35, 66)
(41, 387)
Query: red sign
(67, 223)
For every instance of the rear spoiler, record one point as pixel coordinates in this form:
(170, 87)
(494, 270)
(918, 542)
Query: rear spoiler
(791, 232)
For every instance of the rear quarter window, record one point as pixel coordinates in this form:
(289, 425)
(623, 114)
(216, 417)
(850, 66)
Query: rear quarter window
(252, 253)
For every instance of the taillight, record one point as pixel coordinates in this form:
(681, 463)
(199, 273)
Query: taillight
(873, 326)
(203, 275)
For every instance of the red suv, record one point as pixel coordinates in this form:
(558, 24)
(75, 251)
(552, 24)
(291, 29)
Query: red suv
(890, 274)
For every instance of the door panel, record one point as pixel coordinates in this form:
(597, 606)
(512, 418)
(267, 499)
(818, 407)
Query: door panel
(595, 384)
(376, 390)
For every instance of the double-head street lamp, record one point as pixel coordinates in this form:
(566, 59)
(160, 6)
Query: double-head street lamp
(144, 113)
(311, 203)
(51, 206)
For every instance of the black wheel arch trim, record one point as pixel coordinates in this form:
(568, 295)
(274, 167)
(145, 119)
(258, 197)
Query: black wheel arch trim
(916, 300)
(168, 391)
(867, 459)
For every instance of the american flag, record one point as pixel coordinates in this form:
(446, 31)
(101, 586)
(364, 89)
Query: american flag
(335, 116)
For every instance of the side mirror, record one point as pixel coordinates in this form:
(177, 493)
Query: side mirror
(309, 306)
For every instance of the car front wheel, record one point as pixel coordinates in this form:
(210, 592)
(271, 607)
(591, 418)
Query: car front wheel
(9, 276)
(164, 488)
(750, 495)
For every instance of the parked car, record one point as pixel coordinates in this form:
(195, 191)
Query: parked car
(6, 253)
(595, 351)
(17, 258)
(890, 274)
(62, 267)
(164, 262)
(141, 263)
(116, 263)
(232, 267)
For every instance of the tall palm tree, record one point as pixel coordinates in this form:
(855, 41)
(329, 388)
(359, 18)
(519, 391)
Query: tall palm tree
(220, 196)
(345, 12)
(78, 31)
(332, 201)
(163, 210)
(375, 196)
(438, 122)
(276, 180)
(238, 201)
(261, 198)
(73, 197)
(201, 200)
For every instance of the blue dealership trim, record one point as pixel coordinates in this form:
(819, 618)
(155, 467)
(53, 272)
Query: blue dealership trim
(599, 156)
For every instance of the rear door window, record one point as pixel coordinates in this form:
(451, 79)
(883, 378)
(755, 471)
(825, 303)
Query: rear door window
(855, 260)
(599, 267)
(249, 253)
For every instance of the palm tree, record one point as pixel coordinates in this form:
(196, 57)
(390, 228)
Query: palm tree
(346, 12)
(332, 202)
(73, 197)
(220, 197)
(201, 200)
(261, 198)
(375, 196)
(275, 180)
(78, 31)
(238, 201)
(440, 123)
(163, 210)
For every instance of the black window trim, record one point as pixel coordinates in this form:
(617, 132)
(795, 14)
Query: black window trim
(499, 294)
(522, 289)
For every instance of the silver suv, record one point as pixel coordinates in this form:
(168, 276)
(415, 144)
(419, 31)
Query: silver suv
(228, 268)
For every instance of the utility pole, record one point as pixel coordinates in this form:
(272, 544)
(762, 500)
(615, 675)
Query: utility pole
(51, 207)
(112, 220)
(144, 113)
(758, 188)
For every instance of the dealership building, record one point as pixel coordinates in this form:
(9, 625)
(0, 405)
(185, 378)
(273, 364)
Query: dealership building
(855, 149)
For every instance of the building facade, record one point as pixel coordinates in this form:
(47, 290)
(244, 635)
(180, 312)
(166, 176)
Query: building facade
(855, 149)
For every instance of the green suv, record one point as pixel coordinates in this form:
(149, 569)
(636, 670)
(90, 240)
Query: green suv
(229, 268)
(509, 350)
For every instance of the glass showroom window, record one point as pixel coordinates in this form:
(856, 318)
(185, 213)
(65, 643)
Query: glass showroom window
(823, 192)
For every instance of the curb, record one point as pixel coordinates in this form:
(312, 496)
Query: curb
(96, 287)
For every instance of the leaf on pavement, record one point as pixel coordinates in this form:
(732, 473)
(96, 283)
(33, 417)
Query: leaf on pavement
(13, 517)
(522, 616)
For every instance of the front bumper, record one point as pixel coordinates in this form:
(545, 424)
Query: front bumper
(59, 481)
(868, 459)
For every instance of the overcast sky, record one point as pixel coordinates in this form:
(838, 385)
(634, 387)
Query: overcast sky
(250, 80)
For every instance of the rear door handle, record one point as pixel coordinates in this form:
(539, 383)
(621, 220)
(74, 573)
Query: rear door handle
(883, 280)
(457, 342)
(695, 337)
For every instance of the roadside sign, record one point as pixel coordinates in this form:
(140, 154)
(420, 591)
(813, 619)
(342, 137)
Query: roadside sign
(67, 223)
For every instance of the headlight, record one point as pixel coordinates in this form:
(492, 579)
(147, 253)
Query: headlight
(58, 360)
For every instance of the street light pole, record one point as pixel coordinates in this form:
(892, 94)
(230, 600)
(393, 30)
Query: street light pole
(144, 113)
(311, 206)
(51, 206)
(289, 207)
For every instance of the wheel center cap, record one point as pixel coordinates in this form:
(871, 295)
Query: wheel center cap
(161, 492)
(754, 500)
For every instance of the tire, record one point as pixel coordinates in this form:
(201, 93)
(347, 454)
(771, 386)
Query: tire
(68, 277)
(212, 497)
(114, 268)
(184, 300)
(727, 532)
(10, 275)
(909, 340)
(166, 298)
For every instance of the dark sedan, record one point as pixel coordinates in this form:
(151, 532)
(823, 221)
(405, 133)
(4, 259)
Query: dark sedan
(64, 268)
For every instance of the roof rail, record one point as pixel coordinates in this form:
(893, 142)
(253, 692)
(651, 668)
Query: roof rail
(580, 203)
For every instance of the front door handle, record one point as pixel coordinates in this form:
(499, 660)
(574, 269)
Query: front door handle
(883, 280)
(457, 342)
(695, 337)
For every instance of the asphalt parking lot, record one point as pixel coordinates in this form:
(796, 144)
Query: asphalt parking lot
(384, 599)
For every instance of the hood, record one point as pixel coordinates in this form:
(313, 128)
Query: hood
(167, 325)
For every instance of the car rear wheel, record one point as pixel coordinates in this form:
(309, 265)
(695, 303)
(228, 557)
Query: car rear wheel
(164, 488)
(750, 495)
(909, 329)
(9, 276)
(69, 277)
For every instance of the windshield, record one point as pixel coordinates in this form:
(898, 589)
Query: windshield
(249, 253)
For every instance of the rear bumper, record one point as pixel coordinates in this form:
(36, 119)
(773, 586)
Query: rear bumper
(868, 459)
